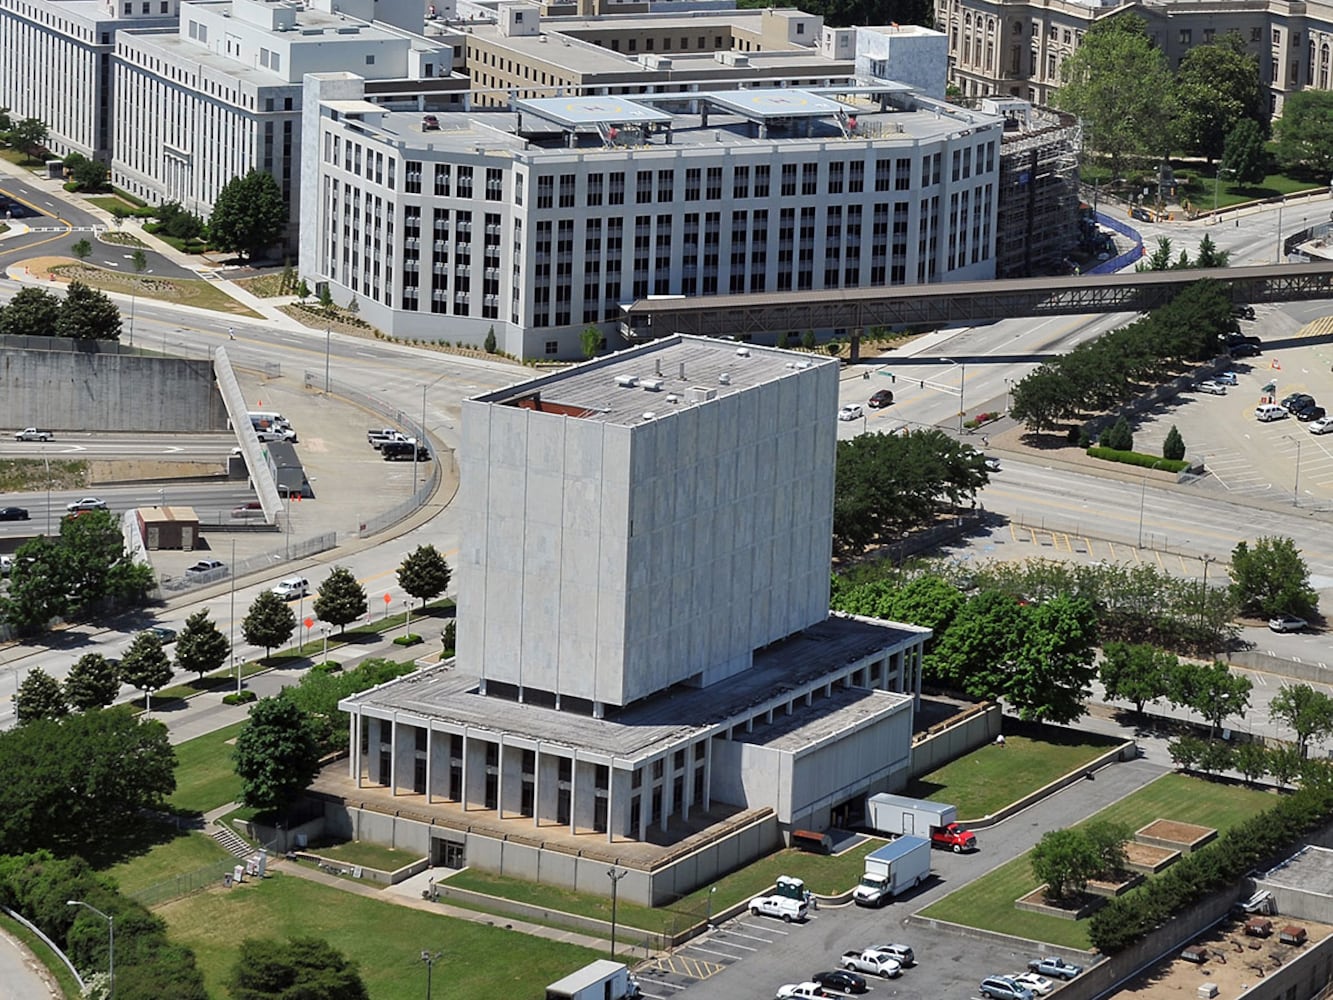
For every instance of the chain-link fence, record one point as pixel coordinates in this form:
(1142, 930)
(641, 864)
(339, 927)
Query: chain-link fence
(433, 470)
(184, 884)
(292, 549)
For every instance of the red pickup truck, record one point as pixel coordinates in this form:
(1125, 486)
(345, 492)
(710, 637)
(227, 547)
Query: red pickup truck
(954, 837)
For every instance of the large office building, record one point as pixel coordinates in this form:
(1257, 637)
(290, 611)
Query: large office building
(538, 221)
(56, 65)
(1015, 47)
(219, 93)
(647, 670)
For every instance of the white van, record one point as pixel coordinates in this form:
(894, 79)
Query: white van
(271, 417)
(1270, 411)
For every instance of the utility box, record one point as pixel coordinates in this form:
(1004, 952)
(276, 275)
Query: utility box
(168, 528)
(600, 980)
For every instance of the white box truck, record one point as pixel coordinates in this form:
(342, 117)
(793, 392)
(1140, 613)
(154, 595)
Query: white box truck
(892, 869)
(600, 980)
(936, 821)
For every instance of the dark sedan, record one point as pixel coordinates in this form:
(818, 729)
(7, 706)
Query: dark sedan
(840, 979)
(881, 399)
(13, 514)
(1244, 350)
(1307, 413)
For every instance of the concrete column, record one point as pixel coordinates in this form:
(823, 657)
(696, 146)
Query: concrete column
(544, 787)
(405, 754)
(474, 771)
(708, 775)
(355, 722)
(916, 686)
(617, 805)
(437, 766)
(687, 784)
(511, 781)
(668, 796)
(583, 796)
(430, 759)
(574, 794)
(393, 755)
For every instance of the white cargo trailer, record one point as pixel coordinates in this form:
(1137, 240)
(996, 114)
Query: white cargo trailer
(915, 817)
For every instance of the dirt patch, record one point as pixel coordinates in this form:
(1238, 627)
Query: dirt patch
(133, 470)
(1149, 858)
(1169, 833)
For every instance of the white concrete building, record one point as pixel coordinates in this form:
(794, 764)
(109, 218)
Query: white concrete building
(479, 225)
(56, 64)
(220, 93)
(646, 669)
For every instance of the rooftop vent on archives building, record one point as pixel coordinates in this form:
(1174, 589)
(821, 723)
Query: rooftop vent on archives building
(627, 381)
(651, 384)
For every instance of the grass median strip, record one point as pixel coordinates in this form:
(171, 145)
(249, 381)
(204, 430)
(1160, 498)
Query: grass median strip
(989, 778)
(988, 902)
(205, 775)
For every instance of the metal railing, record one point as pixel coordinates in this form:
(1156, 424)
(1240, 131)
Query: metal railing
(292, 550)
(374, 523)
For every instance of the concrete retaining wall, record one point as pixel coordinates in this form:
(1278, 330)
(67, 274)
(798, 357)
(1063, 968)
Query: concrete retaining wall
(66, 390)
(1125, 751)
(1277, 665)
(953, 739)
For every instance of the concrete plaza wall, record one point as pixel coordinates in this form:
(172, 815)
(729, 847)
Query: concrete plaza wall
(80, 390)
(668, 881)
(951, 739)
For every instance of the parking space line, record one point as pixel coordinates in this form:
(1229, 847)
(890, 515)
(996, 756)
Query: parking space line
(742, 947)
(766, 928)
(710, 951)
(751, 937)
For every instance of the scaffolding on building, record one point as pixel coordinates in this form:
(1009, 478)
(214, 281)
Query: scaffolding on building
(1037, 221)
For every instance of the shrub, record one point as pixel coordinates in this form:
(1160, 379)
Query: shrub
(1084, 438)
(490, 341)
(407, 640)
(1118, 436)
(244, 698)
(1137, 458)
(1174, 445)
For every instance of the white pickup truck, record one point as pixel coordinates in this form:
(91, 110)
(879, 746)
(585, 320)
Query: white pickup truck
(779, 906)
(875, 963)
(32, 434)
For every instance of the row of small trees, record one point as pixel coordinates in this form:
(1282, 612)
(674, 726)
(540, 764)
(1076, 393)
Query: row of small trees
(93, 681)
(83, 313)
(1107, 372)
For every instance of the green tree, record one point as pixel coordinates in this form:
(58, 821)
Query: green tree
(590, 340)
(81, 249)
(88, 175)
(1108, 839)
(201, 647)
(974, 653)
(276, 754)
(87, 314)
(248, 215)
(1052, 666)
(1209, 255)
(145, 666)
(1284, 763)
(1251, 760)
(1161, 259)
(1119, 84)
(39, 697)
(118, 765)
(1245, 155)
(927, 600)
(1213, 691)
(302, 290)
(1173, 447)
(32, 312)
(1307, 712)
(325, 296)
(340, 599)
(95, 566)
(424, 574)
(1064, 860)
(1119, 436)
(29, 136)
(269, 622)
(177, 223)
(37, 587)
(1271, 578)
(91, 683)
(1045, 397)
(1139, 673)
(490, 345)
(139, 261)
(1217, 87)
(1304, 134)
(294, 970)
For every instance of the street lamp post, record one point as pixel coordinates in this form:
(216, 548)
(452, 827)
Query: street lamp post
(325, 629)
(407, 605)
(47, 462)
(962, 381)
(328, 333)
(111, 942)
(1203, 597)
(1143, 499)
(231, 638)
(430, 958)
(1296, 483)
(709, 921)
(615, 875)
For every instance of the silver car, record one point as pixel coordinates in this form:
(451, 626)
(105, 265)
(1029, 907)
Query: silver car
(1209, 386)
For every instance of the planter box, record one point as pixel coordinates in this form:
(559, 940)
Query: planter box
(1109, 890)
(1183, 837)
(1035, 902)
(1149, 859)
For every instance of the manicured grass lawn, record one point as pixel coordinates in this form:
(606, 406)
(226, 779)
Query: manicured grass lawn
(824, 875)
(110, 202)
(988, 902)
(480, 962)
(183, 854)
(205, 775)
(990, 777)
(360, 852)
(188, 291)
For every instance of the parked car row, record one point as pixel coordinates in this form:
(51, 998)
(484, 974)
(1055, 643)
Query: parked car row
(1300, 405)
(395, 446)
(1035, 982)
(885, 960)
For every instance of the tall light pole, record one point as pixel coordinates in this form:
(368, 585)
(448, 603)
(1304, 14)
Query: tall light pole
(231, 638)
(1296, 483)
(111, 942)
(1203, 597)
(615, 875)
(47, 462)
(962, 380)
(1143, 499)
(1277, 250)
(430, 958)
(328, 333)
(423, 437)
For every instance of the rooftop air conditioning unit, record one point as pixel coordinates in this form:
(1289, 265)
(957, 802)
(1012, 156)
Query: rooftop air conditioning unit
(627, 381)
(651, 384)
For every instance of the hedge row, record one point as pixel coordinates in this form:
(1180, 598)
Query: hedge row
(1137, 458)
(1220, 865)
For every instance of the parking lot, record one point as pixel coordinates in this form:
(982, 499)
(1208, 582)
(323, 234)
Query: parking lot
(753, 956)
(1279, 460)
